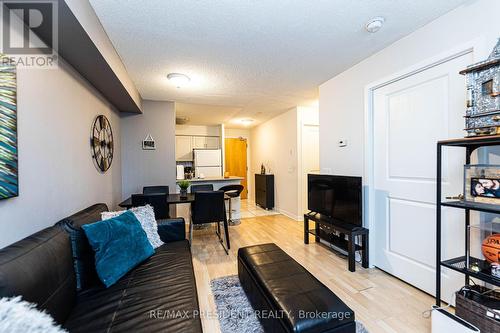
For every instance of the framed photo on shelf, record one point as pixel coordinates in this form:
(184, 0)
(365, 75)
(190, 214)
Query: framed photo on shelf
(482, 183)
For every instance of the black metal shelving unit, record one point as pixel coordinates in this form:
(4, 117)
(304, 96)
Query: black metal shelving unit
(460, 264)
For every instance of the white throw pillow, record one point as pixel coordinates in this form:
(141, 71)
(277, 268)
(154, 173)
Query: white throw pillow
(18, 316)
(145, 215)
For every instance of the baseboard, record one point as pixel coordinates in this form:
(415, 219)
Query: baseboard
(290, 215)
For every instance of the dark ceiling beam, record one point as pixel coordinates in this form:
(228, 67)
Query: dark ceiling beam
(77, 48)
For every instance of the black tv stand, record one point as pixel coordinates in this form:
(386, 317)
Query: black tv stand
(324, 229)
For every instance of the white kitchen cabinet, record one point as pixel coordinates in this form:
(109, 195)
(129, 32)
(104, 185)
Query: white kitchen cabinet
(199, 142)
(183, 148)
(184, 145)
(206, 142)
(212, 142)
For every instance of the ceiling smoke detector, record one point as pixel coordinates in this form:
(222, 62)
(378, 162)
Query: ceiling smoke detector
(178, 79)
(181, 120)
(375, 24)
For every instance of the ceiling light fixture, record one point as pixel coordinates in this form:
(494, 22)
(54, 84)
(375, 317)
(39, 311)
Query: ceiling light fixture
(375, 24)
(246, 122)
(181, 120)
(178, 79)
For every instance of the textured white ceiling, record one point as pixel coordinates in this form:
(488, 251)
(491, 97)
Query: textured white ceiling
(258, 57)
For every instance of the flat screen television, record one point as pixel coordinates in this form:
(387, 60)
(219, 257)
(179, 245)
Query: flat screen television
(337, 197)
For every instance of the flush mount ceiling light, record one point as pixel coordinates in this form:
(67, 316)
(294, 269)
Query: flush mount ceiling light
(246, 121)
(375, 24)
(181, 120)
(178, 79)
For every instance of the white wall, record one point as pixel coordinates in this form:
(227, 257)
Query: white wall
(243, 133)
(56, 109)
(274, 143)
(148, 167)
(342, 101)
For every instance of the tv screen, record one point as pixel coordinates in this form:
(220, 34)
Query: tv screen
(338, 197)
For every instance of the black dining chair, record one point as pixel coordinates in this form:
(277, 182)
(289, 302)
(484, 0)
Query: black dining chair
(208, 207)
(157, 201)
(202, 187)
(155, 190)
(232, 191)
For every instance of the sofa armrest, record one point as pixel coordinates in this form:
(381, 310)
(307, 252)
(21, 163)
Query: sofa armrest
(171, 230)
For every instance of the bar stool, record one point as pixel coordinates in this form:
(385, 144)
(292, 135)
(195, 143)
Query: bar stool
(232, 191)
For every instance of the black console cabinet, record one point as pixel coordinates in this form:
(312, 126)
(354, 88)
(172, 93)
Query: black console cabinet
(325, 228)
(264, 191)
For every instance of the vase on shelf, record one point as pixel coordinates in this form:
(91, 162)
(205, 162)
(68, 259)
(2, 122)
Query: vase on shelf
(184, 193)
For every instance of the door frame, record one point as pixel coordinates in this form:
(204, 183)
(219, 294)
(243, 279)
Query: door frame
(300, 168)
(368, 149)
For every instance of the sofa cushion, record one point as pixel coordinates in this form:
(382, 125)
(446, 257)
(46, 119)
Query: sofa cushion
(83, 255)
(145, 215)
(140, 301)
(119, 244)
(40, 269)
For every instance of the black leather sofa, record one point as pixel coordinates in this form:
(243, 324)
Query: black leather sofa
(158, 295)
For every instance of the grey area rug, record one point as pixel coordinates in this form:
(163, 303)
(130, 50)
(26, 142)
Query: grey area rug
(235, 312)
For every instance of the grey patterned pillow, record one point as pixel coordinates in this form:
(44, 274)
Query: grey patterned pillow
(145, 215)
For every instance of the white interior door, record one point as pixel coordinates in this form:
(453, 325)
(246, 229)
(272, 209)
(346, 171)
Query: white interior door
(410, 116)
(310, 157)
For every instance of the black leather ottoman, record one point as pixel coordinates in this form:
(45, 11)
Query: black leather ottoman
(289, 298)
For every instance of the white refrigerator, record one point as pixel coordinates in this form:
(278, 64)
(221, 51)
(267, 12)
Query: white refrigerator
(207, 162)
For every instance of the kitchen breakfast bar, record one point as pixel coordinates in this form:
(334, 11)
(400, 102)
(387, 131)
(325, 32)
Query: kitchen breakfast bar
(217, 182)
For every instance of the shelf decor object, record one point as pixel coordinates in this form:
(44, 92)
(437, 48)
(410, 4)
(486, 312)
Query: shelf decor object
(482, 183)
(472, 263)
(9, 184)
(484, 248)
(102, 144)
(483, 96)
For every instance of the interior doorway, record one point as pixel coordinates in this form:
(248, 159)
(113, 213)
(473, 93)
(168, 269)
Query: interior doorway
(409, 116)
(310, 157)
(235, 151)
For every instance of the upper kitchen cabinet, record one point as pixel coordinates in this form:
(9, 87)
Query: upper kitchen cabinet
(199, 142)
(183, 148)
(206, 142)
(212, 142)
(184, 145)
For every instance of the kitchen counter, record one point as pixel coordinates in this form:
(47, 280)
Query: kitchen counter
(217, 183)
(214, 179)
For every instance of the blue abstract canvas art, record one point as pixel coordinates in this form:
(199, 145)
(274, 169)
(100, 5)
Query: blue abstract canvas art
(9, 185)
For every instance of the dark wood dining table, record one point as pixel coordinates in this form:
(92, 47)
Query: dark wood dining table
(172, 199)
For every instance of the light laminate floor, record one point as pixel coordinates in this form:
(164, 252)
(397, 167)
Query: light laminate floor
(250, 209)
(382, 302)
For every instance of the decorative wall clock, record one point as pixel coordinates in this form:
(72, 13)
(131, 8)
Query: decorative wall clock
(101, 142)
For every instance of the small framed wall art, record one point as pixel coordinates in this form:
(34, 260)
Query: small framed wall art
(149, 143)
(482, 183)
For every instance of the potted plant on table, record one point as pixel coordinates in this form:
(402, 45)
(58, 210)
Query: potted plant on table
(184, 185)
